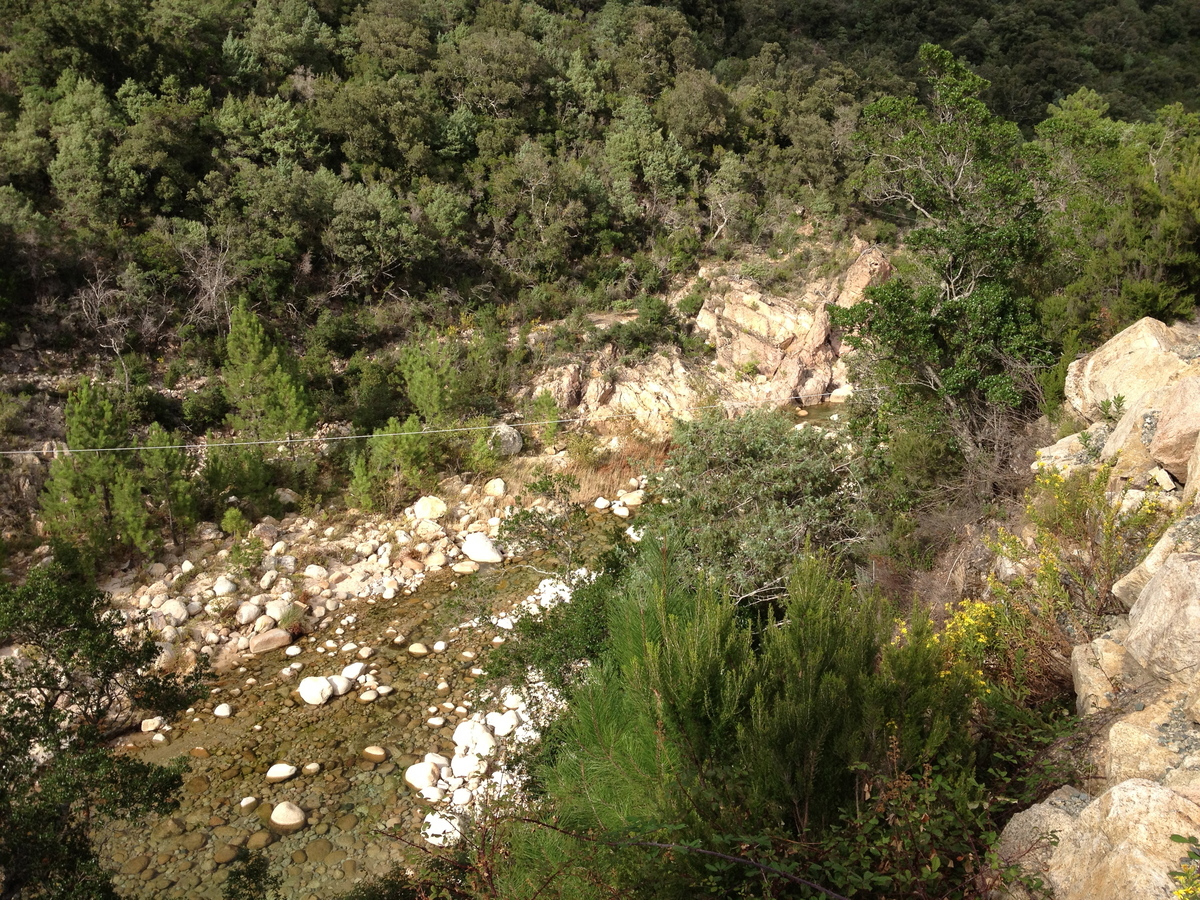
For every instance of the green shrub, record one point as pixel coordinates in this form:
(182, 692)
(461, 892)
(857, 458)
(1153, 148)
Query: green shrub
(205, 408)
(746, 495)
(234, 522)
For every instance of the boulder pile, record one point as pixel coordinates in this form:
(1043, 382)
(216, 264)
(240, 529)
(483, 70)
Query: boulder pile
(1139, 398)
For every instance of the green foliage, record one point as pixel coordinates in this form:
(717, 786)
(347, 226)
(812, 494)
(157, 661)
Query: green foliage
(1113, 409)
(746, 495)
(399, 460)
(1122, 216)
(167, 472)
(1085, 541)
(433, 378)
(234, 522)
(961, 357)
(544, 409)
(693, 725)
(1187, 876)
(95, 497)
(555, 527)
(251, 878)
(81, 677)
(268, 403)
(656, 324)
(965, 173)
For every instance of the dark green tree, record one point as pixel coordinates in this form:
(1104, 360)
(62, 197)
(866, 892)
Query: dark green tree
(268, 400)
(968, 176)
(94, 496)
(82, 675)
(166, 473)
(962, 359)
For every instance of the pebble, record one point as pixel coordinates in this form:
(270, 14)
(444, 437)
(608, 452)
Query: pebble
(280, 772)
(418, 649)
(287, 818)
(223, 711)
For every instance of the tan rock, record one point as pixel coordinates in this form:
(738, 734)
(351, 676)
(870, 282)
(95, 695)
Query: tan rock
(1164, 623)
(1178, 425)
(1134, 750)
(1143, 357)
(1093, 689)
(1029, 838)
(431, 508)
(1120, 846)
(274, 639)
(1125, 448)
(564, 384)
(1183, 537)
(871, 268)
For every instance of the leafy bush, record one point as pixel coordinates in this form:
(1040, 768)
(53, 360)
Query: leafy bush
(205, 408)
(1084, 540)
(746, 495)
(83, 677)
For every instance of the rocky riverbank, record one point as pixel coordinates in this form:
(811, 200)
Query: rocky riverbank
(344, 654)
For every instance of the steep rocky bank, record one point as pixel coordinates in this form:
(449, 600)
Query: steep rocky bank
(1138, 684)
(771, 347)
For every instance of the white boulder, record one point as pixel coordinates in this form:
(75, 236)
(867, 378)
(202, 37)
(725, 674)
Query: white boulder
(286, 818)
(429, 508)
(422, 775)
(224, 586)
(280, 772)
(479, 548)
(315, 690)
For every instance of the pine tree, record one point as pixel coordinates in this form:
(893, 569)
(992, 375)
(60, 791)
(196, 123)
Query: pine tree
(397, 457)
(268, 400)
(166, 472)
(95, 498)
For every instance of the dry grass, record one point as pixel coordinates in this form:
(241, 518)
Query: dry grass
(604, 473)
(599, 470)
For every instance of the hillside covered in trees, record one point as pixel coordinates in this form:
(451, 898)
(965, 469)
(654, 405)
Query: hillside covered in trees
(235, 224)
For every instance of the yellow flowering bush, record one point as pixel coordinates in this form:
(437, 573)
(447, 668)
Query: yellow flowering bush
(1084, 539)
(970, 640)
(1187, 877)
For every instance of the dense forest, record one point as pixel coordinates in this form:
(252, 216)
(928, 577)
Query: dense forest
(365, 176)
(254, 219)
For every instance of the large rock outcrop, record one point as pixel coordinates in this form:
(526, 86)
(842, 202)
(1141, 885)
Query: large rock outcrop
(1139, 684)
(1178, 425)
(787, 339)
(1164, 623)
(1145, 356)
(1120, 846)
(771, 349)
